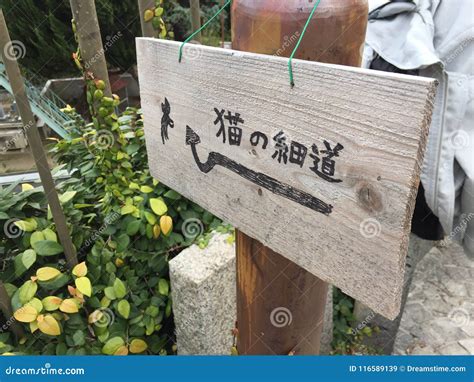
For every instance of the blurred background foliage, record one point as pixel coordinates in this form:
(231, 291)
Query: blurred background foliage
(43, 26)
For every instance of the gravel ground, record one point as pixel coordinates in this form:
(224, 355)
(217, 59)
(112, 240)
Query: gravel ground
(439, 314)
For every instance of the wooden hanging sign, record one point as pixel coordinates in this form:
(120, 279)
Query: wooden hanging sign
(325, 173)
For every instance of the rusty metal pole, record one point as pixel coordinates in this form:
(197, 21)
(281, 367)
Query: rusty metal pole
(34, 140)
(280, 306)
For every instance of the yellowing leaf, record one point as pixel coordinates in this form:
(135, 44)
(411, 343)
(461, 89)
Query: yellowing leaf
(35, 303)
(47, 273)
(80, 270)
(26, 314)
(95, 316)
(51, 303)
(158, 206)
(33, 326)
(122, 350)
(156, 231)
(166, 225)
(67, 196)
(83, 285)
(27, 225)
(137, 346)
(47, 324)
(112, 345)
(69, 305)
(127, 209)
(146, 189)
(26, 187)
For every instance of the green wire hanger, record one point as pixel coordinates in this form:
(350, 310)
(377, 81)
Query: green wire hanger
(290, 61)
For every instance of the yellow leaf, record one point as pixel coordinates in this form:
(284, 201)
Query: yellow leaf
(95, 316)
(158, 206)
(83, 285)
(80, 270)
(127, 209)
(156, 231)
(166, 224)
(47, 324)
(47, 273)
(138, 346)
(51, 303)
(146, 189)
(122, 350)
(69, 305)
(26, 314)
(26, 187)
(33, 326)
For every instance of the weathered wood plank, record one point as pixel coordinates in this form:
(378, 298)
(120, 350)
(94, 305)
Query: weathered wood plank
(349, 228)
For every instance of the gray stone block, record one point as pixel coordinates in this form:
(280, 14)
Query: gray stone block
(203, 288)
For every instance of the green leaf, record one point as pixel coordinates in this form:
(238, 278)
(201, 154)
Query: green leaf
(173, 195)
(133, 227)
(112, 345)
(123, 308)
(79, 338)
(27, 291)
(158, 206)
(3, 216)
(47, 248)
(110, 293)
(122, 242)
(50, 235)
(36, 236)
(119, 288)
(163, 287)
(24, 261)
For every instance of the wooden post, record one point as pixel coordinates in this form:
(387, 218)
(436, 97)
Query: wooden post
(268, 284)
(280, 306)
(90, 41)
(147, 27)
(196, 18)
(34, 140)
(6, 308)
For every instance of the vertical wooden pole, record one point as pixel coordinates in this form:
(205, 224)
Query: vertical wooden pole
(90, 41)
(280, 306)
(147, 27)
(6, 308)
(196, 18)
(34, 140)
(222, 25)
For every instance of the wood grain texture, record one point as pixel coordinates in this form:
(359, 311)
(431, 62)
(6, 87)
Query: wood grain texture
(381, 120)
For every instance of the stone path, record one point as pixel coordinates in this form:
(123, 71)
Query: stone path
(439, 314)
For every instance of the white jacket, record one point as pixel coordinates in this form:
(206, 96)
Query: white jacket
(437, 37)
